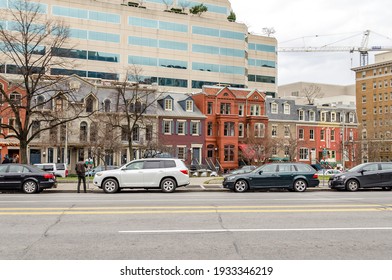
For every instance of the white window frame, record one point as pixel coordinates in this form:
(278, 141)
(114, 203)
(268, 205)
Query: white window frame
(241, 133)
(274, 108)
(260, 128)
(170, 123)
(303, 154)
(195, 124)
(301, 115)
(241, 109)
(286, 109)
(168, 104)
(189, 105)
(312, 116)
(183, 122)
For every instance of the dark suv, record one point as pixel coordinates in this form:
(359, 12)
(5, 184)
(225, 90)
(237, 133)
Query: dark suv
(365, 175)
(292, 176)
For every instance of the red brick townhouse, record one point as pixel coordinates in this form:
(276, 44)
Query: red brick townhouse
(9, 92)
(233, 115)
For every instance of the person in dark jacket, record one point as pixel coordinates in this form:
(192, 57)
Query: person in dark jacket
(6, 159)
(80, 169)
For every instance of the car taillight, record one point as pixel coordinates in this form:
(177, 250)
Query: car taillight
(48, 176)
(184, 171)
(315, 176)
(66, 172)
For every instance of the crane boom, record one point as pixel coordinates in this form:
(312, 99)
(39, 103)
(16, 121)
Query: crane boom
(363, 49)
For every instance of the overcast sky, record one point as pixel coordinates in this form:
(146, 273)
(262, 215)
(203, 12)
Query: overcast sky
(315, 23)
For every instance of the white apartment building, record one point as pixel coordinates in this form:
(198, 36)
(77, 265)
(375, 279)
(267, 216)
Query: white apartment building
(177, 50)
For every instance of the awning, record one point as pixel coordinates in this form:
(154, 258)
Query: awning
(247, 150)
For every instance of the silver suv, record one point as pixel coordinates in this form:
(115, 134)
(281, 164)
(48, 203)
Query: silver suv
(164, 173)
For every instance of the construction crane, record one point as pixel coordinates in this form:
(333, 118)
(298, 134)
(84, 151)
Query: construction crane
(363, 49)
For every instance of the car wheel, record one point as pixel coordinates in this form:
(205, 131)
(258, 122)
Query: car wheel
(168, 185)
(352, 185)
(241, 186)
(110, 186)
(30, 187)
(300, 185)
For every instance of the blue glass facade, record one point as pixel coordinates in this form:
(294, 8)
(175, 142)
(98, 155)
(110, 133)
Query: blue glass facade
(94, 35)
(154, 43)
(86, 14)
(227, 69)
(261, 63)
(218, 33)
(262, 48)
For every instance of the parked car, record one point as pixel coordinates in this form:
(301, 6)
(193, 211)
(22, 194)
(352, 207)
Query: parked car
(328, 172)
(27, 178)
(99, 168)
(292, 176)
(164, 173)
(58, 169)
(365, 175)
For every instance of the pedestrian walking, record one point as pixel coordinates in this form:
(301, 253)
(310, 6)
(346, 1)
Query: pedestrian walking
(80, 169)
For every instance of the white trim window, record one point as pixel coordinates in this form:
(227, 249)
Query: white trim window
(168, 104)
(255, 110)
(323, 116)
(286, 109)
(181, 127)
(195, 128)
(241, 130)
(274, 108)
(303, 154)
(189, 106)
(301, 115)
(181, 152)
(333, 117)
(274, 130)
(241, 110)
(259, 130)
(167, 127)
(312, 116)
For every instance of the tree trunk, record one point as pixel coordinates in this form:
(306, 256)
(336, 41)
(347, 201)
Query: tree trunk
(23, 156)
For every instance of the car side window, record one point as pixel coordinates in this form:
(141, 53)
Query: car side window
(135, 165)
(285, 168)
(304, 168)
(270, 168)
(371, 167)
(386, 166)
(16, 169)
(152, 164)
(169, 163)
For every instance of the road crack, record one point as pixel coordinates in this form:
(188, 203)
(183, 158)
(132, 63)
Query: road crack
(234, 241)
(46, 232)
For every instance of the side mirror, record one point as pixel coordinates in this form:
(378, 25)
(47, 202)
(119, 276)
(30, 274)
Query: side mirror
(260, 172)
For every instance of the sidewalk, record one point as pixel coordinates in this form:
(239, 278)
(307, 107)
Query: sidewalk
(197, 184)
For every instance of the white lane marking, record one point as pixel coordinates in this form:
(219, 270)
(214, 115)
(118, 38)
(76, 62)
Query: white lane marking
(201, 186)
(253, 230)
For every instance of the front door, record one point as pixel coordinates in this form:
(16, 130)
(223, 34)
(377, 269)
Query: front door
(265, 177)
(132, 175)
(196, 156)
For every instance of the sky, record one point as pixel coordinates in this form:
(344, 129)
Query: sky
(315, 23)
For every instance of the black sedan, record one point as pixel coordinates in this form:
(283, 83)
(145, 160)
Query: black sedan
(27, 178)
(365, 175)
(291, 176)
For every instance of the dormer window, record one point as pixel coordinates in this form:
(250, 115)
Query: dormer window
(168, 105)
(189, 106)
(286, 109)
(274, 108)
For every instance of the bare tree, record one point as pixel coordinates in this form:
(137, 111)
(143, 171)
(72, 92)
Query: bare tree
(134, 102)
(312, 92)
(28, 39)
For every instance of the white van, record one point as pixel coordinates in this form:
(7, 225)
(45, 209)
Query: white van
(58, 169)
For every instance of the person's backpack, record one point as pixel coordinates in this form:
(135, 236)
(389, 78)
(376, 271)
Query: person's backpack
(80, 168)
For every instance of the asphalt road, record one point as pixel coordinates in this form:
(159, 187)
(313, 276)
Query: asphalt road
(197, 225)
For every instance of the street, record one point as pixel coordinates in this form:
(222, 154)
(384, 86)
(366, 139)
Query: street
(197, 225)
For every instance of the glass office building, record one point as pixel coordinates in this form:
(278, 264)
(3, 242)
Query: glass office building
(175, 49)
